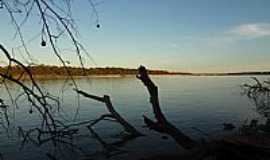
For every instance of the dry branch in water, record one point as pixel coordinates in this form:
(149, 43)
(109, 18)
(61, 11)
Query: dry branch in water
(130, 132)
(161, 124)
(113, 114)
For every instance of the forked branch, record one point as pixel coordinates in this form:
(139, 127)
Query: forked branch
(113, 113)
(161, 124)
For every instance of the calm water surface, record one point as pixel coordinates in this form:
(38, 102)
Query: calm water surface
(187, 101)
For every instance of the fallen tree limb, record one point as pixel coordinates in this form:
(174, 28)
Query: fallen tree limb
(111, 149)
(113, 114)
(162, 125)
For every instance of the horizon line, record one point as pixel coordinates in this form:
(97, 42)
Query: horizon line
(153, 69)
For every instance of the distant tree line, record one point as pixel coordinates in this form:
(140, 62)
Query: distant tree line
(48, 70)
(75, 71)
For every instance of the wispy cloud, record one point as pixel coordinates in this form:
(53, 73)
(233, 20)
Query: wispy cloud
(253, 30)
(225, 38)
(173, 45)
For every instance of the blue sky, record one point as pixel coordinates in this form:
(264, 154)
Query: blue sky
(178, 35)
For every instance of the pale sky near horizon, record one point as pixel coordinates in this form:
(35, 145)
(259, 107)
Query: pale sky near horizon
(177, 35)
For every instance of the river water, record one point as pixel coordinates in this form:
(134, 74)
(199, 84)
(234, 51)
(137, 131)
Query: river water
(202, 102)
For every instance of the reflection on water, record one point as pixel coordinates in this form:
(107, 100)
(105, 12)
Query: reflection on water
(187, 101)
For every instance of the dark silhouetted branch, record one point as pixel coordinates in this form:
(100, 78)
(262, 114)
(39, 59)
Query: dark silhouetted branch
(161, 124)
(131, 132)
(113, 114)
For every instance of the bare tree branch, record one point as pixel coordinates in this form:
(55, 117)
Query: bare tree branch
(162, 125)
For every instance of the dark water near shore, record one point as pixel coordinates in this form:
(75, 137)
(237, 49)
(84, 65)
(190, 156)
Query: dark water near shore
(188, 101)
